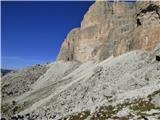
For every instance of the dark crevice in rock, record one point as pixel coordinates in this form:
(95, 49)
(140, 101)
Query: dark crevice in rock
(151, 8)
(138, 22)
(68, 59)
(157, 58)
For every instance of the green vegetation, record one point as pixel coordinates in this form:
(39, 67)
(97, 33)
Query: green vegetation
(109, 98)
(10, 110)
(78, 116)
(141, 106)
(13, 108)
(138, 107)
(104, 112)
(121, 118)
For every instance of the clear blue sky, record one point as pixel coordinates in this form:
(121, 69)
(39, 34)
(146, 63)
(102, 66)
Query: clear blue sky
(32, 32)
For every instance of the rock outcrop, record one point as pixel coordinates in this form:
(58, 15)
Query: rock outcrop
(113, 28)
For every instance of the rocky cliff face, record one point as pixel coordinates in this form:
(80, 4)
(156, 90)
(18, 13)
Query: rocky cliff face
(113, 28)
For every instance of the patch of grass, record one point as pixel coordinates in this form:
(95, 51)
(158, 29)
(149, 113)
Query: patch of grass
(78, 116)
(12, 109)
(121, 118)
(125, 104)
(104, 112)
(5, 108)
(107, 97)
(139, 106)
(142, 105)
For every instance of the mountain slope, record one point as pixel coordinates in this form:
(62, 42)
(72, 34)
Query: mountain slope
(121, 83)
(19, 82)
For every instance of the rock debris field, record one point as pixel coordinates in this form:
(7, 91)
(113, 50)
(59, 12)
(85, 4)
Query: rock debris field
(123, 87)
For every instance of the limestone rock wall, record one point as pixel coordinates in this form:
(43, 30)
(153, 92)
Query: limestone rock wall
(113, 28)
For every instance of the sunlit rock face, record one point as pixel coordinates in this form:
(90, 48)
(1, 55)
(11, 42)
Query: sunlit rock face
(113, 28)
